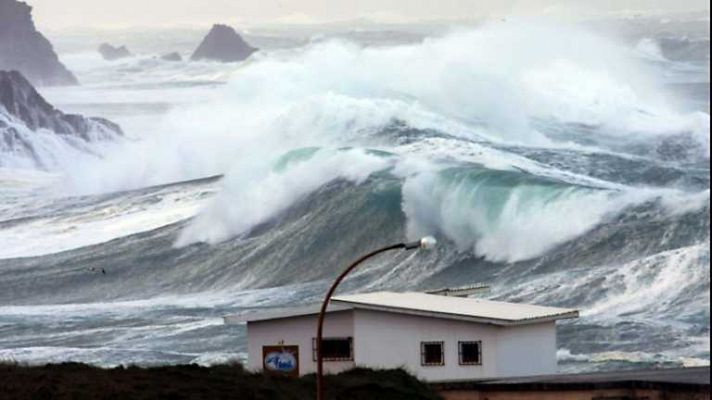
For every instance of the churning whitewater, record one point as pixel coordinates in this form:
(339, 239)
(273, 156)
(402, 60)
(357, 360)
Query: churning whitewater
(558, 166)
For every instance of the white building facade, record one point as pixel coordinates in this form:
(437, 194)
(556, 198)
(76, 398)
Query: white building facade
(436, 338)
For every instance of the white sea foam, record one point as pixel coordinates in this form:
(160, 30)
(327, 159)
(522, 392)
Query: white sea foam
(141, 69)
(463, 84)
(652, 285)
(319, 98)
(491, 80)
(21, 147)
(236, 210)
(646, 289)
(515, 221)
(106, 356)
(483, 84)
(56, 225)
(565, 355)
(221, 358)
(113, 355)
(232, 298)
(650, 49)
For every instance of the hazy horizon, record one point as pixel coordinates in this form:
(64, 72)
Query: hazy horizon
(112, 14)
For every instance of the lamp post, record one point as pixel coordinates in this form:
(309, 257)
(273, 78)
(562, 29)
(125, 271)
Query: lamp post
(424, 243)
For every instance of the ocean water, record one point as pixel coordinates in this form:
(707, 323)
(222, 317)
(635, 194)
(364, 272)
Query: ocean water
(560, 164)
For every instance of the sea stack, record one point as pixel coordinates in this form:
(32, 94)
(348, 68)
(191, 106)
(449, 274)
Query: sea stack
(223, 44)
(111, 53)
(24, 49)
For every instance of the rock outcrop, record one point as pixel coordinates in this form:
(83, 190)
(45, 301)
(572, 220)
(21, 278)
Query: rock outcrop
(223, 44)
(174, 56)
(20, 99)
(30, 127)
(25, 49)
(110, 53)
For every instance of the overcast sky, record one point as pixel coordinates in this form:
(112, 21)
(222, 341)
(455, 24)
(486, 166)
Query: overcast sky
(60, 14)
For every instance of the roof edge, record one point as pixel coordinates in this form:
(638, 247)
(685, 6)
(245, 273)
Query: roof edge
(443, 315)
(338, 304)
(260, 316)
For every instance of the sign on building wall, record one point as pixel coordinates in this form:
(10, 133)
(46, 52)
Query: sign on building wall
(281, 360)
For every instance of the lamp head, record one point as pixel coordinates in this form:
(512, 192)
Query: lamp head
(428, 243)
(425, 243)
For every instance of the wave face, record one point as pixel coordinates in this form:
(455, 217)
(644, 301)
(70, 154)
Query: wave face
(551, 163)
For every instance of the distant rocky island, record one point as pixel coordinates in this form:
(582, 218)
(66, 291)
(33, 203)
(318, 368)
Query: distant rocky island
(224, 44)
(24, 114)
(110, 53)
(25, 49)
(174, 56)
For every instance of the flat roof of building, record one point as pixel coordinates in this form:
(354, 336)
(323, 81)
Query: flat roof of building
(426, 305)
(462, 308)
(281, 313)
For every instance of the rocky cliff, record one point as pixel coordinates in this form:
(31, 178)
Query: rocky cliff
(25, 49)
(30, 127)
(223, 44)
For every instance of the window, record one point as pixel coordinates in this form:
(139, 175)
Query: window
(432, 353)
(470, 353)
(334, 349)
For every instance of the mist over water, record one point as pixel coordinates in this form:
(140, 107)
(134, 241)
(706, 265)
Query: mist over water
(483, 84)
(553, 163)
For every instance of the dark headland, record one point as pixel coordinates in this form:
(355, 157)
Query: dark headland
(22, 102)
(24, 113)
(25, 49)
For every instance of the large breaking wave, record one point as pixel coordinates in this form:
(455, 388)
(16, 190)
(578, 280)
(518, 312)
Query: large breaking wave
(486, 86)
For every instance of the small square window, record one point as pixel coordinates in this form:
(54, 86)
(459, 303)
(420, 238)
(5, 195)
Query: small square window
(432, 353)
(470, 353)
(334, 349)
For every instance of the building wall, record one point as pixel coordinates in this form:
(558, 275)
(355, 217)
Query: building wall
(527, 350)
(298, 331)
(388, 340)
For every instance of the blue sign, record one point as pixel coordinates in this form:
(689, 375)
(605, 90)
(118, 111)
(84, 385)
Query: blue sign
(280, 361)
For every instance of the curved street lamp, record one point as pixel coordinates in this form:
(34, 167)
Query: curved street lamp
(424, 243)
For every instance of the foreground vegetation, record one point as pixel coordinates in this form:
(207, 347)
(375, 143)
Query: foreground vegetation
(80, 381)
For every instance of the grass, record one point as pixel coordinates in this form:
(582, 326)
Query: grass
(81, 381)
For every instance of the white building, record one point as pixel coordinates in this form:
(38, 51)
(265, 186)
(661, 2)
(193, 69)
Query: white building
(434, 337)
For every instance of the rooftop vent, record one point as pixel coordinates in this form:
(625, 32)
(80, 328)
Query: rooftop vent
(462, 291)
